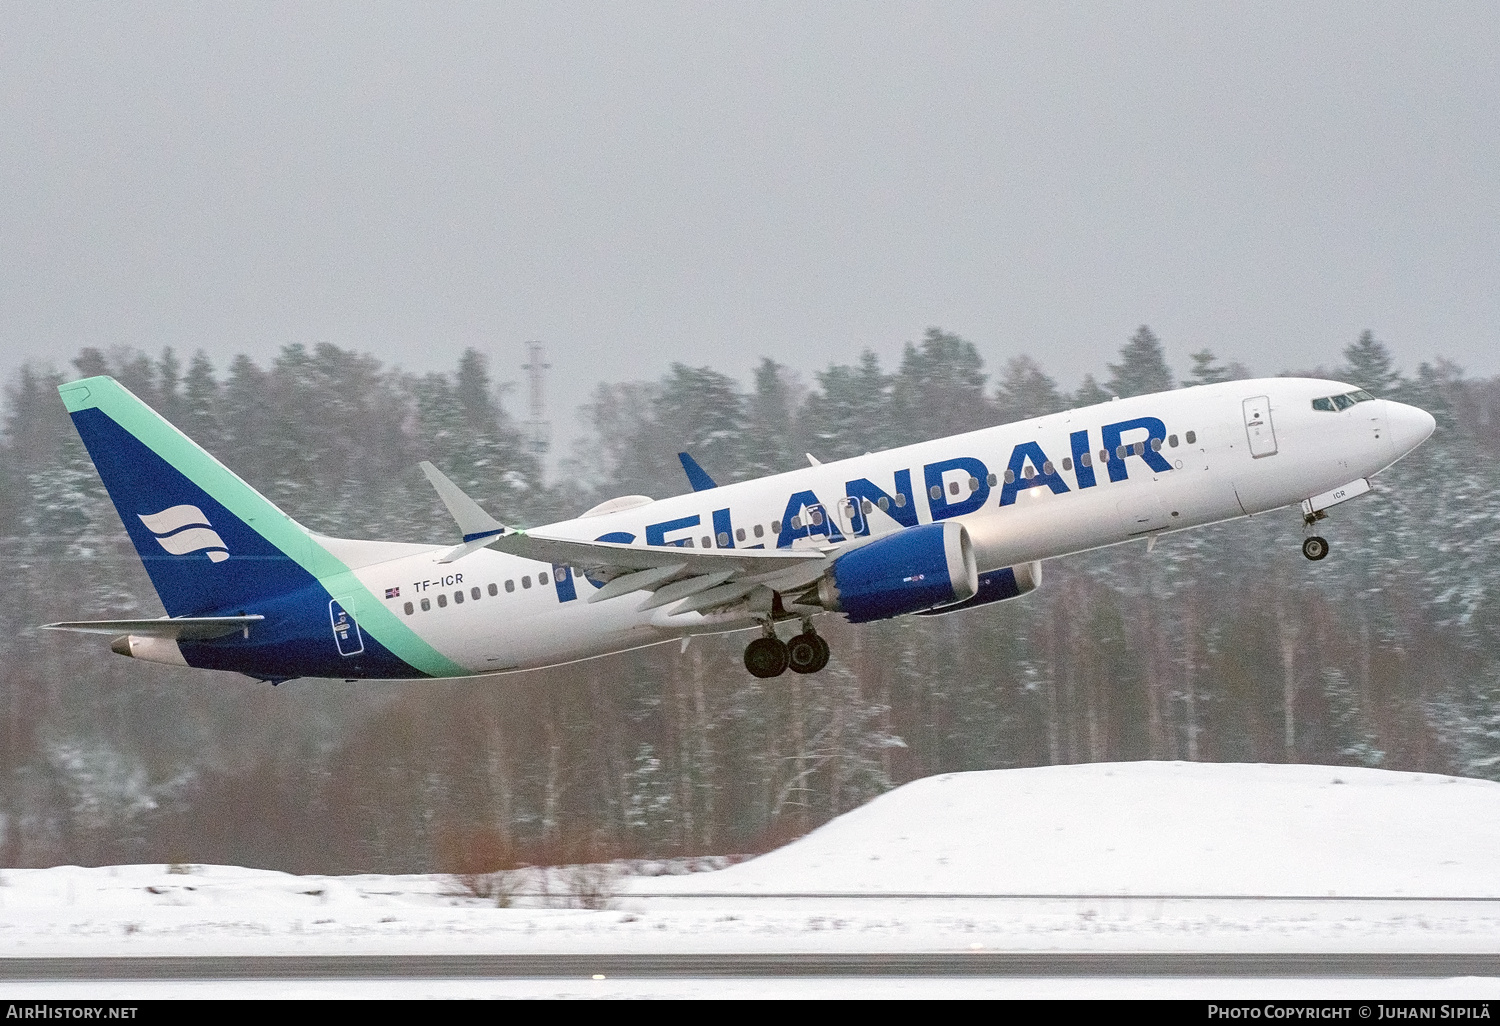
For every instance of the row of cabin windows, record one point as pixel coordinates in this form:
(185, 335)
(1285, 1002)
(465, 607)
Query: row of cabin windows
(866, 506)
(475, 593)
(1048, 468)
(936, 491)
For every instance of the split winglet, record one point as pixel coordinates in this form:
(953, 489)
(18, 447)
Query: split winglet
(477, 526)
(696, 475)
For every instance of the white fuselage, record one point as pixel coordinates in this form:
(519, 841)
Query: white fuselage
(1227, 450)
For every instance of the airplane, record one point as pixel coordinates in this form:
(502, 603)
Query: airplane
(928, 529)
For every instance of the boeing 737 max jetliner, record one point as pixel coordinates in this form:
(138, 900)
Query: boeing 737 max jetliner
(927, 529)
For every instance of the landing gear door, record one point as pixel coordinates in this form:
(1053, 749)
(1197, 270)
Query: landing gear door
(1258, 427)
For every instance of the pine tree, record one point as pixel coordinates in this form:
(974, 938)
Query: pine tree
(1142, 368)
(1367, 363)
(1089, 393)
(771, 422)
(1024, 391)
(1206, 370)
(939, 389)
(702, 412)
(851, 413)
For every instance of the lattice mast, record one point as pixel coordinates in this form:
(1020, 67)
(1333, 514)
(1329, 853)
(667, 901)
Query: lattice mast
(538, 427)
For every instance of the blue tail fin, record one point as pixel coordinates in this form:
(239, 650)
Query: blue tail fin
(209, 541)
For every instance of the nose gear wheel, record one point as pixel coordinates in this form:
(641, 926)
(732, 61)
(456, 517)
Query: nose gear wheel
(1315, 547)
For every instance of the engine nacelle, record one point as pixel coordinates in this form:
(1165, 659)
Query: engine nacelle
(996, 586)
(914, 569)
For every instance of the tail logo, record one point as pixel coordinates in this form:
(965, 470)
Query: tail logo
(184, 529)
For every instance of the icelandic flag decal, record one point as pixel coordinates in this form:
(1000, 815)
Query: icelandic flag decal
(393, 593)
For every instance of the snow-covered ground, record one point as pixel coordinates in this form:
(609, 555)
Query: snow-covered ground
(1104, 857)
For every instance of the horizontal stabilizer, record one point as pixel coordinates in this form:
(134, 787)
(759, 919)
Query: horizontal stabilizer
(181, 628)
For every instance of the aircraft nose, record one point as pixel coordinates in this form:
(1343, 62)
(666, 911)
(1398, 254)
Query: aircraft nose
(1410, 426)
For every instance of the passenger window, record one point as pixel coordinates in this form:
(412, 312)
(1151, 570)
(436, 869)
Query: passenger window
(1191, 436)
(510, 585)
(776, 526)
(900, 499)
(1010, 477)
(426, 605)
(526, 582)
(865, 505)
(953, 487)
(1156, 445)
(935, 492)
(686, 543)
(409, 609)
(1086, 459)
(724, 539)
(474, 594)
(739, 534)
(797, 522)
(1103, 455)
(1067, 463)
(442, 601)
(993, 480)
(1120, 451)
(458, 598)
(973, 484)
(1140, 448)
(815, 517)
(1029, 472)
(759, 531)
(1172, 441)
(708, 542)
(1048, 468)
(883, 503)
(541, 578)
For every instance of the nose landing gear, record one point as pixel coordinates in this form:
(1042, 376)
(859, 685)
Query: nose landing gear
(1315, 547)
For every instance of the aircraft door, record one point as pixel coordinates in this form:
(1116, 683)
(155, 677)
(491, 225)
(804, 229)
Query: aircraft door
(1258, 426)
(848, 516)
(346, 633)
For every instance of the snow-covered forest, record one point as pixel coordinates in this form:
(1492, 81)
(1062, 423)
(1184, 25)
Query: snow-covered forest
(1222, 644)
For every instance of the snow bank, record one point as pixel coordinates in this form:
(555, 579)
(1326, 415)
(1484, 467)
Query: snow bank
(1147, 828)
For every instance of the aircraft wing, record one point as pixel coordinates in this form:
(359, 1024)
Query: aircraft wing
(181, 628)
(702, 579)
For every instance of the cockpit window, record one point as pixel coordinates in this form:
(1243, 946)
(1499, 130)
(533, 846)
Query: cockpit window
(1334, 403)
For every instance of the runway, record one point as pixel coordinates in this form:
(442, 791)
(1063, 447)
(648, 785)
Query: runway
(614, 965)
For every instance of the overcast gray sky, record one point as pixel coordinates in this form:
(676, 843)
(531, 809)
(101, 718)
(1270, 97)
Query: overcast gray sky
(637, 183)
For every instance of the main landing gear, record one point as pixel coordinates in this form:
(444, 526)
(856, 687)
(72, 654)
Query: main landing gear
(769, 656)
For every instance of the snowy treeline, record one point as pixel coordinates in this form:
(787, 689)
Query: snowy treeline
(1222, 644)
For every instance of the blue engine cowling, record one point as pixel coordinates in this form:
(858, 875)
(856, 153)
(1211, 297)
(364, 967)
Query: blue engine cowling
(911, 570)
(996, 586)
